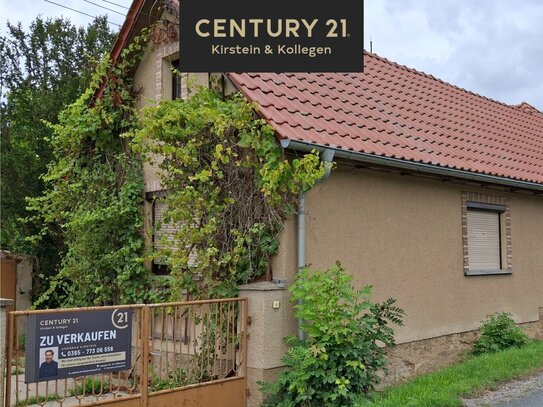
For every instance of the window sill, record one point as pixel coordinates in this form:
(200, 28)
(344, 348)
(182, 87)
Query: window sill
(487, 272)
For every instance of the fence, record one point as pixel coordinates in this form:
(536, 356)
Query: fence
(190, 353)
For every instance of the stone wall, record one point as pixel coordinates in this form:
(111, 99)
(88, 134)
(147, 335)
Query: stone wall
(415, 358)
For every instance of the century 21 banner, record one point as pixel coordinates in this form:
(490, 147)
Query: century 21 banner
(279, 36)
(70, 344)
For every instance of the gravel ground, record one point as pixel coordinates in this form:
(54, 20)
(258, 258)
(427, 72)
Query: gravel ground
(509, 391)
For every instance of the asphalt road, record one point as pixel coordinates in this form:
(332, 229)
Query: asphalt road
(531, 400)
(525, 392)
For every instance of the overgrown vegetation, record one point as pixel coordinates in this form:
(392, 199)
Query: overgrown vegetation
(499, 332)
(446, 387)
(90, 386)
(176, 378)
(229, 189)
(93, 197)
(33, 400)
(343, 350)
(43, 69)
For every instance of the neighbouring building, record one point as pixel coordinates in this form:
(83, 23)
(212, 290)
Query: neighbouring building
(436, 199)
(16, 280)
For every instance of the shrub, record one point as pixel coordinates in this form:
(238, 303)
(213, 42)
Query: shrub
(499, 332)
(344, 345)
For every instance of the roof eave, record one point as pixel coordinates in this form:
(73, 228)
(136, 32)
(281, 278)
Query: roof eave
(413, 166)
(122, 39)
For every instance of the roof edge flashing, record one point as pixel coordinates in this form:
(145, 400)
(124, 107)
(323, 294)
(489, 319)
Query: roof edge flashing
(410, 165)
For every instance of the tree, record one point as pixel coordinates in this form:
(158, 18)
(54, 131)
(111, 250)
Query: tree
(42, 71)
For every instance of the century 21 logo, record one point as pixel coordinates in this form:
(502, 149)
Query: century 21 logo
(120, 318)
(255, 27)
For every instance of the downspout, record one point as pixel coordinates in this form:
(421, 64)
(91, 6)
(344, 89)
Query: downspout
(326, 156)
(301, 252)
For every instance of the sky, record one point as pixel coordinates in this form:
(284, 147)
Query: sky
(490, 47)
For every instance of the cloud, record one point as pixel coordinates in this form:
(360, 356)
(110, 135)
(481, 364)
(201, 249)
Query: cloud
(26, 11)
(491, 47)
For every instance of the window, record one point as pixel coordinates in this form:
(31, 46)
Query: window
(163, 233)
(176, 81)
(487, 236)
(484, 243)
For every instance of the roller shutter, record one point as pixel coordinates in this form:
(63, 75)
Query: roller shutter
(483, 240)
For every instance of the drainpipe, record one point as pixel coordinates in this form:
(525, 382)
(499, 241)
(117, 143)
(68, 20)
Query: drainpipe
(326, 156)
(301, 252)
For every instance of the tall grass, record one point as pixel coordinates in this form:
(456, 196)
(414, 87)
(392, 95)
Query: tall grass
(445, 388)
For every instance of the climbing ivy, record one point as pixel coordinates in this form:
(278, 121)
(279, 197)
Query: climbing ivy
(229, 189)
(94, 194)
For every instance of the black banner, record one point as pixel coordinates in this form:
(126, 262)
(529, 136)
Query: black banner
(79, 343)
(282, 36)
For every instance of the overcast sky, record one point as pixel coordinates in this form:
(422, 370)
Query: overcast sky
(491, 47)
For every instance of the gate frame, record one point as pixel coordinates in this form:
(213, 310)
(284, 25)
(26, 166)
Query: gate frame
(144, 395)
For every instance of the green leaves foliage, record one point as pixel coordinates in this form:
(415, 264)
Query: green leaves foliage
(499, 332)
(343, 350)
(229, 188)
(43, 69)
(94, 196)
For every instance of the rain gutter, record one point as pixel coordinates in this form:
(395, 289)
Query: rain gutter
(413, 166)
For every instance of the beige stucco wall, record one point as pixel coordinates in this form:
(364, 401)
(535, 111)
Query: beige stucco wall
(403, 235)
(267, 328)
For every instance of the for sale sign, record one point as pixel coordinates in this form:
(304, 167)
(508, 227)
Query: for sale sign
(69, 344)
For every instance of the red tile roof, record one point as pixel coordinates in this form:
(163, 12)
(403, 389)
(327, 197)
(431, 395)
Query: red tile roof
(394, 111)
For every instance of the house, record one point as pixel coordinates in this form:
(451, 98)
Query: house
(436, 200)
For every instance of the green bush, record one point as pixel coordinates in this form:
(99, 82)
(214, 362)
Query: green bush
(499, 332)
(343, 349)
